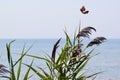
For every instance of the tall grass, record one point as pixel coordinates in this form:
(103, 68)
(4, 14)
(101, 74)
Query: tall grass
(15, 66)
(69, 63)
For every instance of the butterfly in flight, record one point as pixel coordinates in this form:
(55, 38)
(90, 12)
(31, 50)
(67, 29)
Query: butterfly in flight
(83, 10)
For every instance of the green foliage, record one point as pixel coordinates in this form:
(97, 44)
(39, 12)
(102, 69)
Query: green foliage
(13, 65)
(69, 63)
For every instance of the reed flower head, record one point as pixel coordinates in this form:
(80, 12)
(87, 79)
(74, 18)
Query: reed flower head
(3, 70)
(96, 41)
(85, 32)
(54, 49)
(77, 50)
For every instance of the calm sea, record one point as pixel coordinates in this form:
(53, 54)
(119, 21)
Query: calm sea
(107, 61)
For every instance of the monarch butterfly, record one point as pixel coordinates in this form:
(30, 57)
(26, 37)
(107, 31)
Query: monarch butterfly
(83, 10)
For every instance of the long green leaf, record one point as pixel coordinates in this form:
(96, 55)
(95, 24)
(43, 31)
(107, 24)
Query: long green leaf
(81, 76)
(45, 73)
(74, 40)
(38, 57)
(61, 57)
(10, 61)
(38, 73)
(22, 55)
(93, 74)
(80, 68)
(50, 68)
(20, 64)
(68, 41)
(12, 71)
(8, 50)
(8, 53)
(27, 73)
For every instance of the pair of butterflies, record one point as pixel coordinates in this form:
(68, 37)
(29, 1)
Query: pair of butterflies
(83, 10)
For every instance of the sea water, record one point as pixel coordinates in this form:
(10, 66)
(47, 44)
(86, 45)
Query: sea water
(108, 61)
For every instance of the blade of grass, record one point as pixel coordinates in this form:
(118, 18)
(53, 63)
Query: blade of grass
(10, 61)
(23, 55)
(68, 41)
(38, 57)
(50, 69)
(27, 73)
(80, 68)
(12, 71)
(45, 73)
(20, 64)
(81, 76)
(94, 74)
(8, 50)
(8, 53)
(74, 40)
(41, 76)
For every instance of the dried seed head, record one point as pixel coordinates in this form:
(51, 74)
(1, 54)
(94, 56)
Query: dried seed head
(85, 32)
(2, 66)
(96, 41)
(54, 49)
(3, 70)
(76, 52)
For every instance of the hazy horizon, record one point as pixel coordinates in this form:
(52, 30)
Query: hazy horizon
(36, 19)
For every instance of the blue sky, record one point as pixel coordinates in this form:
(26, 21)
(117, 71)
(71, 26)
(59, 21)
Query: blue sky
(48, 18)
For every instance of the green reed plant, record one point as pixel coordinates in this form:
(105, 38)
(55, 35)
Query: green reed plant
(69, 63)
(16, 64)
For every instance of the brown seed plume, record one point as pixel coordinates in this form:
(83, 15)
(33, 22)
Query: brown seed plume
(54, 49)
(96, 41)
(85, 32)
(3, 70)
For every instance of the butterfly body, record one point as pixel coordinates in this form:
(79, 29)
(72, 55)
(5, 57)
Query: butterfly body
(83, 10)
